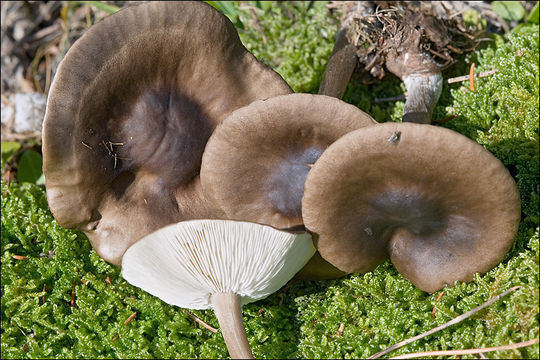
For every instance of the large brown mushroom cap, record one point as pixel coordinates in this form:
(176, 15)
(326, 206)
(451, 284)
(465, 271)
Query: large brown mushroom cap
(256, 162)
(129, 113)
(439, 204)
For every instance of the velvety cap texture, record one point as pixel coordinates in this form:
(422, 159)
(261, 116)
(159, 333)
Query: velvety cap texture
(129, 113)
(437, 203)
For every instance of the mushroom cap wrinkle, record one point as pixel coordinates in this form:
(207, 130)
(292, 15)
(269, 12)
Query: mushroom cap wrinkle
(185, 263)
(256, 162)
(130, 111)
(437, 203)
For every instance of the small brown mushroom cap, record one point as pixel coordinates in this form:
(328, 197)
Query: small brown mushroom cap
(129, 113)
(441, 206)
(255, 164)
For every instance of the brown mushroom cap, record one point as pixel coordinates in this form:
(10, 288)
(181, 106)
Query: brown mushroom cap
(255, 164)
(129, 113)
(436, 202)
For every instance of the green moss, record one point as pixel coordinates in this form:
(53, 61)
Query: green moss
(377, 309)
(502, 112)
(295, 44)
(382, 308)
(298, 48)
(38, 319)
(365, 98)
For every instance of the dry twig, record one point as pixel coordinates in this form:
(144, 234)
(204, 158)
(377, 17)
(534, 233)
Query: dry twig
(255, 20)
(199, 321)
(131, 317)
(471, 77)
(445, 325)
(435, 307)
(401, 97)
(340, 330)
(73, 295)
(467, 77)
(467, 351)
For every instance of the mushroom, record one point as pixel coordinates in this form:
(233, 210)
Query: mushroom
(130, 111)
(255, 163)
(340, 66)
(219, 264)
(413, 40)
(437, 203)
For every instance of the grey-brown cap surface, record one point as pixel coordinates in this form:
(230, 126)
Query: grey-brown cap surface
(130, 110)
(256, 162)
(437, 203)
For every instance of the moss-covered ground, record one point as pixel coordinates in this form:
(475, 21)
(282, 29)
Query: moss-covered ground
(60, 300)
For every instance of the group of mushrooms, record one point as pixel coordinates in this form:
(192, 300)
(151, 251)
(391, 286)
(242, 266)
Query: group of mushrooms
(198, 170)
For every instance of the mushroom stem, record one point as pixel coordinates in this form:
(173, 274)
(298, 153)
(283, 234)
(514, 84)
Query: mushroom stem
(340, 67)
(423, 92)
(228, 310)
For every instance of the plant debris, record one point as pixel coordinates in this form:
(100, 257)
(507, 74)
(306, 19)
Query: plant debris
(131, 317)
(412, 40)
(445, 325)
(340, 330)
(467, 351)
(35, 37)
(384, 31)
(199, 321)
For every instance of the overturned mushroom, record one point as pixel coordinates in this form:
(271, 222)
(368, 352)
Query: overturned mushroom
(437, 203)
(219, 264)
(130, 111)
